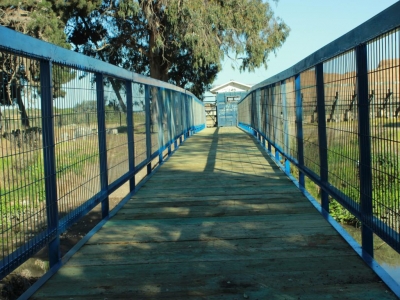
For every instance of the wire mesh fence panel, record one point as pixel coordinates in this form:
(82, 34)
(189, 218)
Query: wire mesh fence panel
(310, 120)
(289, 118)
(277, 116)
(156, 119)
(116, 127)
(263, 110)
(170, 116)
(342, 126)
(244, 110)
(139, 121)
(165, 116)
(384, 107)
(257, 109)
(178, 113)
(76, 140)
(22, 186)
(198, 111)
(189, 107)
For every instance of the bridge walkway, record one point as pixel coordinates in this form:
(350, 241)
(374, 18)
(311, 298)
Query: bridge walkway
(218, 220)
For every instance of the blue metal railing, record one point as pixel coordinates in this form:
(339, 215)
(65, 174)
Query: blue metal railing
(73, 130)
(332, 121)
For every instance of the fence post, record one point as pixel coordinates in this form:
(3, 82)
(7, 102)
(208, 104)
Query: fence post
(299, 126)
(130, 132)
(49, 159)
(364, 148)
(322, 140)
(101, 123)
(149, 126)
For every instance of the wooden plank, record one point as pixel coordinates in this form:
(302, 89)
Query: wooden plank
(217, 221)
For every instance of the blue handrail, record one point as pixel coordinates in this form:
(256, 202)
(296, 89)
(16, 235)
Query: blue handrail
(331, 120)
(87, 128)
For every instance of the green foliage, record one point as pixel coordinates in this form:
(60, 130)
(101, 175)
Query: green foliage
(342, 215)
(42, 20)
(74, 159)
(24, 184)
(181, 42)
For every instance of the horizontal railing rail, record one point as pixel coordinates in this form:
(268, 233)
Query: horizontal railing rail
(332, 121)
(73, 130)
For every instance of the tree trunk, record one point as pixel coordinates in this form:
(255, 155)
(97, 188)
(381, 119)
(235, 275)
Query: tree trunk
(158, 66)
(22, 108)
(118, 94)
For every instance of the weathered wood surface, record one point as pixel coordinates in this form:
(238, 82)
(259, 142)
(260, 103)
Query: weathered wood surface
(218, 221)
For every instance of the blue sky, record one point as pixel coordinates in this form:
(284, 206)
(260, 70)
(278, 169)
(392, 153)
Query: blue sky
(313, 23)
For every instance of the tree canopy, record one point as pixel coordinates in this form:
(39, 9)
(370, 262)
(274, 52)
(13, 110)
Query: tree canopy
(178, 41)
(40, 19)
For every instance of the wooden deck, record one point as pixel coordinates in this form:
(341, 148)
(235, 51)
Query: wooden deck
(218, 221)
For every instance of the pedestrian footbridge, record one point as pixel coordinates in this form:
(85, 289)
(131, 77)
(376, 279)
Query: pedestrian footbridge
(249, 211)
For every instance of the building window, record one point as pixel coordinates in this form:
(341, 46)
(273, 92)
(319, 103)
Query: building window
(231, 99)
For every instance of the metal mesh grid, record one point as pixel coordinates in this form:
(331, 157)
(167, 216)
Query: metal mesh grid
(22, 196)
(342, 125)
(156, 118)
(139, 120)
(178, 113)
(276, 115)
(164, 116)
(198, 112)
(289, 118)
(76, 141)
(310, 120)
(384, 87)
(263, 110)
(116, 128)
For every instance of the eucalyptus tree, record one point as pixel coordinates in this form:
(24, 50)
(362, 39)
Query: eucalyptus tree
(178, 41)
(40, 19)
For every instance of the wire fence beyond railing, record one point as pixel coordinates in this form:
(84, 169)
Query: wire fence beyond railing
(333, 121)
(73, 130)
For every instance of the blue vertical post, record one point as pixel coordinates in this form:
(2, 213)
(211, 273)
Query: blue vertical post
(322, 140)
(101, 123)
(131, 132)
(286, 141)
(365, 149)
(299, 126)
(149, 126)
(49, 160)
